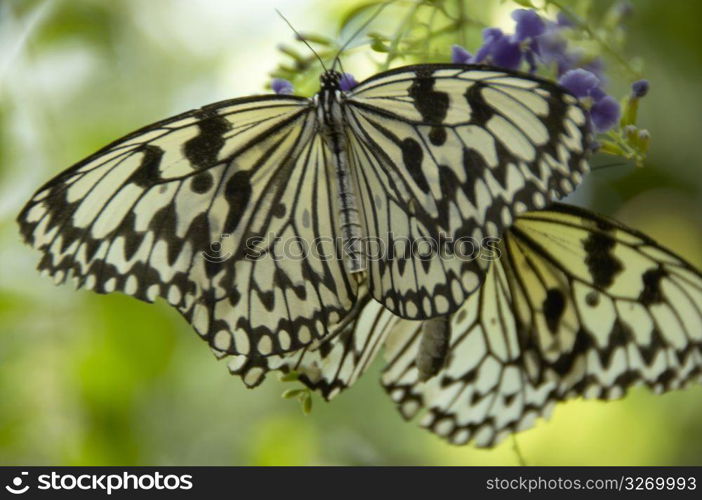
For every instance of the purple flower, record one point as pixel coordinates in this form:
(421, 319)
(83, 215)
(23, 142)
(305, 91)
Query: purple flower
(580, 82)
(281, 86)
(347, 82)
(551, 47)
(506, 53)
(459, 55)
(605, 113)
(492, 34)
(499, 50)
(538, 42)
(597, 93)
(490, 37)
(529, 24)
(639, 89)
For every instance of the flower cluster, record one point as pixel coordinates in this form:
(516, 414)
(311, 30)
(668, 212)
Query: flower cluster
(546, 46)
(538, 42)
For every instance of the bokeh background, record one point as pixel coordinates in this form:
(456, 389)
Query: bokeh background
(98, 380)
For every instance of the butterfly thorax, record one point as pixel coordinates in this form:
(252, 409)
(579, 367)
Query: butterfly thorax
(330, 119)
(329, 112)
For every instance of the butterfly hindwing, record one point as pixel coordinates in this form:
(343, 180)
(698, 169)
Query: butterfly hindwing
(199, 209)
(591, 288)
(333, 363)
(446, 155)
(481, 394)
(577, 305)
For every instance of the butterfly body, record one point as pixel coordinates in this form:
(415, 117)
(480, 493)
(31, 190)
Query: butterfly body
(330, 118)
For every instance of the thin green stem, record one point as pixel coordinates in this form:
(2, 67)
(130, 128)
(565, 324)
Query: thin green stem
(606, 47)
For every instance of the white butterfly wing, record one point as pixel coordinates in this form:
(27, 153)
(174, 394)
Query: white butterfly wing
(577, 305)
(606, 305)
(454, 152)
(332, 364)
(199, 209)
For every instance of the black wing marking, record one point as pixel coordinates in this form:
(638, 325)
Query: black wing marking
(198, 209)
(577, 305)
(449, 154)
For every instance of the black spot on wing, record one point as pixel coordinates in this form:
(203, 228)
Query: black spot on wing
(279, 210)
(412, 155)
(325, 348)
(202, 182)
(475, 167)
(132, 237)
(283, 282)
(267, 298)
(237, 192)
(480, 111)
(402, 261)
(603, 266)
(448, 185)
(437, 136)
(651, 293)
(554, 305)
(583, 343)
(461, 316)
(147, 173)
(431, 104)
(592, 299)
(203, 149)
(234, 295)
(163, 224)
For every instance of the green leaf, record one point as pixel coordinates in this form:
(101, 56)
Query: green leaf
(292, 393)
(306, 404)
(314, 38)
(379, 43)
(355, 12)
(289, 51)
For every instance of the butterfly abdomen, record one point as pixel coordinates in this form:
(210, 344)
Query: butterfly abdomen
(433, 347)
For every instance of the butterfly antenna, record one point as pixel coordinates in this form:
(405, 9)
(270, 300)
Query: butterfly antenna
(359, 30)
(302, 39)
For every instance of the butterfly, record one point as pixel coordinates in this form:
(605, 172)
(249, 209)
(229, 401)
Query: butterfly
(254, 217)
(576, 305)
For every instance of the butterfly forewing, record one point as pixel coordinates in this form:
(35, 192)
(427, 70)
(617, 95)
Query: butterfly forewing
(197, 209)
(446, 155)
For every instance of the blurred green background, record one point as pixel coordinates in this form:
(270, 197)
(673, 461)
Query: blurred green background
(98, 380)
